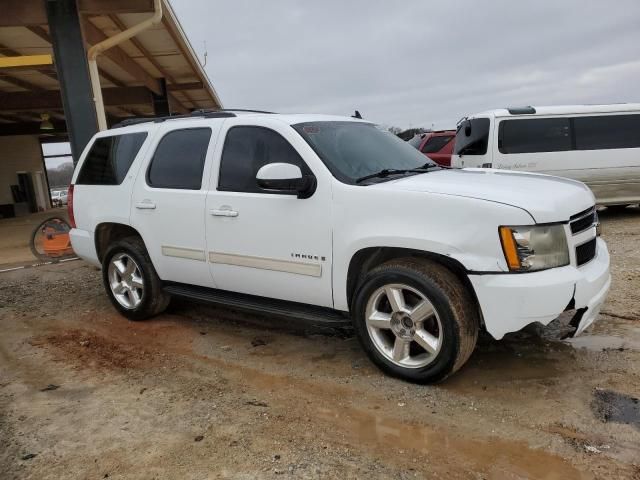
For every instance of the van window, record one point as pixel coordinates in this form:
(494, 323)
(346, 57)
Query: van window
(110, 158)
(246, 150)
(179, 158)
(534, 135)
(607, 131)
(472, 137)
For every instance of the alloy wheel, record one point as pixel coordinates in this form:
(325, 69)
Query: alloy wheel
(404, 325)
(125, 280)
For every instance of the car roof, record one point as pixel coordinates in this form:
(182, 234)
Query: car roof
(532, 111)
(196, 118)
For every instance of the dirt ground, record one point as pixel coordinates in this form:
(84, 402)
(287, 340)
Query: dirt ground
(204, 392)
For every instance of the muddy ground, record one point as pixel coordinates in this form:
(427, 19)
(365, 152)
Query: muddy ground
(204, 392)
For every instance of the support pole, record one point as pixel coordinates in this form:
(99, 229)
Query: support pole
(161, 102)
(73, 74)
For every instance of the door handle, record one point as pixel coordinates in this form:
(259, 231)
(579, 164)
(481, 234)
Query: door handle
(146, 205)
(223, 213)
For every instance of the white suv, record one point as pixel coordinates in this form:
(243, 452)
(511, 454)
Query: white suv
(313, 216)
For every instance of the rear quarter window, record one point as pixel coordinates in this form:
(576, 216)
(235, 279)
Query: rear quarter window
(110, 158)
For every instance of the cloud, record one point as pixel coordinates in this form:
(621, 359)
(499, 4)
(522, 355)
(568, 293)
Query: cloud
(415, 62)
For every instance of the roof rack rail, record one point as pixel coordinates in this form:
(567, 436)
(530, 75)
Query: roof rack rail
(528, 110)
(243, 110)
(196, 113)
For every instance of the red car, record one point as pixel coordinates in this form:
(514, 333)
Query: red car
(438, 145)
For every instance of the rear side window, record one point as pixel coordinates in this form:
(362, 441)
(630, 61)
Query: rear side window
(435, 144)
(246, 150)
(534, 135)
(607, 131)
(178, 161)
(110, 158)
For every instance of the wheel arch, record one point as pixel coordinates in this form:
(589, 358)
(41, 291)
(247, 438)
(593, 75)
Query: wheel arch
(108, 232)
(365, 259)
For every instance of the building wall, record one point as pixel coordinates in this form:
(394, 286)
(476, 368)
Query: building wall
(18, 154)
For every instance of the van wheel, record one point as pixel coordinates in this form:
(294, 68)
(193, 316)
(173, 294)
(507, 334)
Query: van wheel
(131, 281)
(415, 320)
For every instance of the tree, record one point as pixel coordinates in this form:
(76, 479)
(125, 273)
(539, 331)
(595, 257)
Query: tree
(60, 176)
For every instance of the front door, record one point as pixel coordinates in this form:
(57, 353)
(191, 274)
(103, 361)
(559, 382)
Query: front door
(168, 204)
(264, 243)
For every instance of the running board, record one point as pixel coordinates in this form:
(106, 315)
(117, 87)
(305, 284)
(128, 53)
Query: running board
(260, 305)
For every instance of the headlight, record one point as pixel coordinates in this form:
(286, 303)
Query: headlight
(528, 249)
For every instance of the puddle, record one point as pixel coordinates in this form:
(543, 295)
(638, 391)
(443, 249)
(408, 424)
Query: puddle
(604, 342)
(609, 334)
(610, 406)
(494, 458)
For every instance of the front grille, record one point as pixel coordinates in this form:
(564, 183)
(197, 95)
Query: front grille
(583, 220)
(586, 252)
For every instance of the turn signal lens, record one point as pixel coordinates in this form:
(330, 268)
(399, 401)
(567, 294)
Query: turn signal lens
(509, 248)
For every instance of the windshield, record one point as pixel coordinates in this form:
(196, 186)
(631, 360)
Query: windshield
(352, 150)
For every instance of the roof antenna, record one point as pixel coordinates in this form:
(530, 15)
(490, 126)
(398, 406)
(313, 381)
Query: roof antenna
(357, 115)
(205, 54)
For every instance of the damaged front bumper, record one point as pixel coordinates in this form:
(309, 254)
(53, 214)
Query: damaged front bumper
(510, 302)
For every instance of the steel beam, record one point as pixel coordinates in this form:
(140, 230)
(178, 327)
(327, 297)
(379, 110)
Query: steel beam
(50, 99)
(161, 102)
(73, 75)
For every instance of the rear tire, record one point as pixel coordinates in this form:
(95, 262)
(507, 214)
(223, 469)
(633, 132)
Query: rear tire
(131, 281)
(422, 334)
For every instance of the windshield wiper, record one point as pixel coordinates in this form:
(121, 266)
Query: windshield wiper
(385, 172)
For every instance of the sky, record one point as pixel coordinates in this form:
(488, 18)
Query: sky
(62, 152)
(415, 63)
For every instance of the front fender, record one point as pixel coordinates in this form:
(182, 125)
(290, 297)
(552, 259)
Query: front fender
(460, 228)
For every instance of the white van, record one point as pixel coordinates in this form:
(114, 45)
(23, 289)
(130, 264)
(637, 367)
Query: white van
(596, 144)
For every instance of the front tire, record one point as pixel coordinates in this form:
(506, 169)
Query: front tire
(415, 320)
(131, 281)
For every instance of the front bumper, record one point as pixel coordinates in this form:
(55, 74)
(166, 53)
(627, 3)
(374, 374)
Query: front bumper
(511, 301)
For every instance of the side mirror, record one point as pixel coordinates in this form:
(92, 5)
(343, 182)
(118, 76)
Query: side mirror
(286, 178)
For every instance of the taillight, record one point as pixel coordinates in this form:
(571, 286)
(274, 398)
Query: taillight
(72, 219)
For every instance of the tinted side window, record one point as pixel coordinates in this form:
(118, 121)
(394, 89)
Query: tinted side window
(109, 159)
(534, 135)
(246, 150)
(609, 131)
(179, 158)
(435, 144)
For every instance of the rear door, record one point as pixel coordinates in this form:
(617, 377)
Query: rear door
(169, 200)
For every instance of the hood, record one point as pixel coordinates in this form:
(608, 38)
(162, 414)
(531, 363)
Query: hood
(546, 198)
